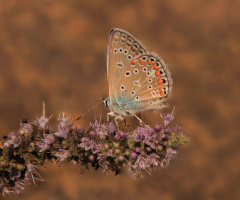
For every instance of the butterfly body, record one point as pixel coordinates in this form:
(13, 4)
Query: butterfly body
(138, 80)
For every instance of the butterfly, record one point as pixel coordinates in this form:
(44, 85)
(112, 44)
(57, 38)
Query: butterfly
(138, 80)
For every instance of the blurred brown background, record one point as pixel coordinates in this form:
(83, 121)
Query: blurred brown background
(55, 51)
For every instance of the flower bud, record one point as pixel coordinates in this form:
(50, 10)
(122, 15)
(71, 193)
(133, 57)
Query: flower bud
(91, 157)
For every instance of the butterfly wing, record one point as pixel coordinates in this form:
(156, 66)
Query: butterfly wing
(122, 48)
(155, 81)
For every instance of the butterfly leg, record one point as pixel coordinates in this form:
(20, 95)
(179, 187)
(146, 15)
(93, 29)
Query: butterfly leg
(110, 114)
(120, 118)
(140, 121)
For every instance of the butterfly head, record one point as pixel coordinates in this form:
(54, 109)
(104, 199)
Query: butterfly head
(106, 102)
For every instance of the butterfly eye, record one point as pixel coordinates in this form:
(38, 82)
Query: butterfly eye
(135, 71)
(122, 87)
(128, 73)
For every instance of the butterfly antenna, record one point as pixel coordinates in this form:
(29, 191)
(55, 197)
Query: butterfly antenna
(173, 111)
(87, 111)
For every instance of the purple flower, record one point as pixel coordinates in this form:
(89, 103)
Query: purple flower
(133, 155)
(120, 158)
(62, 132)
(141, 164)
(110, 152)
(64, 122)
(159, 147)
(150, 140)
(95, 148)
(145, 131)
(111, 128)
(170, 153)
(121, 135)
(158, 127)
(148, 149)
(62, 154)
(91, 157)
(100, 129)
(86, 144)
(153, 159)
(49, 138)
(16, 141)
(42, 121)
(138, 149)
(33, 171)
(26, 128)
(6, 145)
(137, 136)
(167, 119)
(43, 146)
(101, 156)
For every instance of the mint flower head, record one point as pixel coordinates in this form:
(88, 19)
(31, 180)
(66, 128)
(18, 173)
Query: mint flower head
(103, 146)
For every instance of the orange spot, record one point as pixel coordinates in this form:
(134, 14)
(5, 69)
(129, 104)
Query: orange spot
(155, 66)
(150, 62)
(157, 73)
(134, 62)
(161, 92)
(160, 82)
(141, 62)
(134, 49)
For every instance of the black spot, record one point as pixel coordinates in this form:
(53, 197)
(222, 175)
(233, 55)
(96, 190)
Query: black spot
(122, 87)
(129, 57)
(144, 69)
(120, 50)
(144, 58)
(151, 59)
(163, 80)
(115, 50)
(127, 73)
(136, 46)
(161, 72)
(157, 64)
(120, 65)
(125, 51)
(132, 92)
